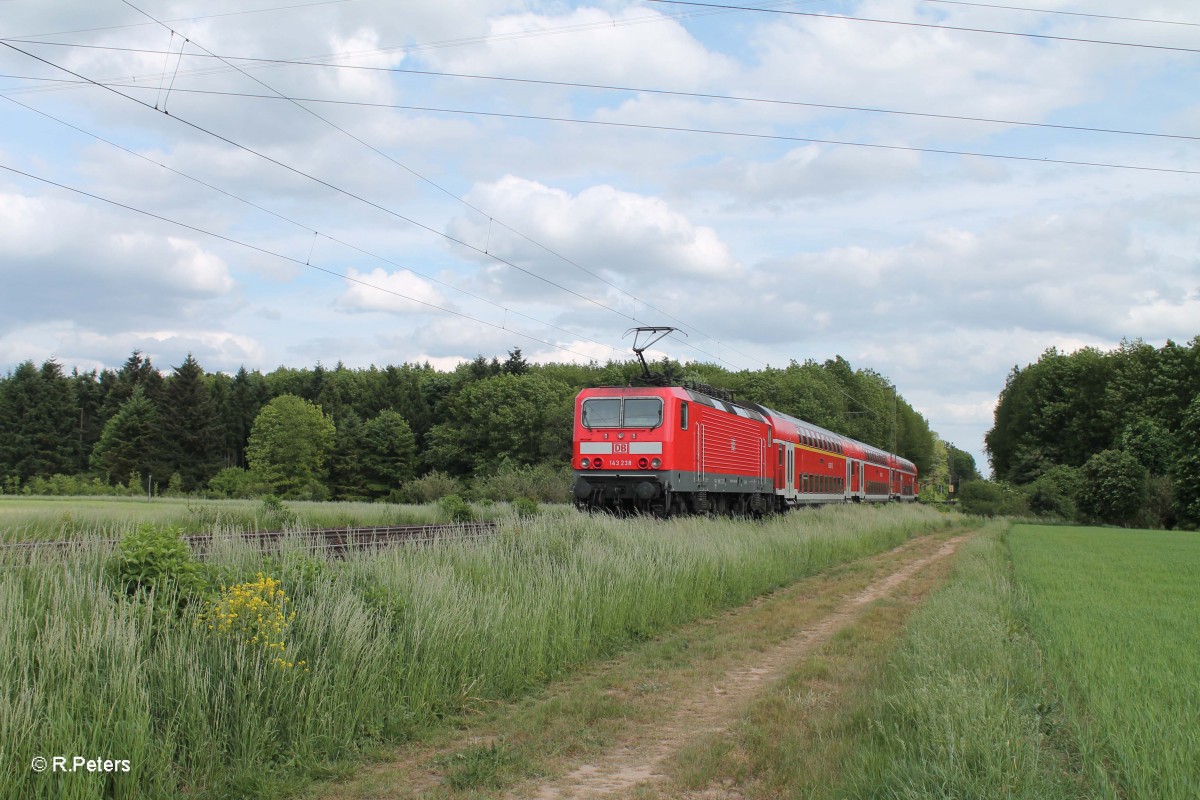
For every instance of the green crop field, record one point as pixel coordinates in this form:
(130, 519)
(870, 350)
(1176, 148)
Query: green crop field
(1057, 663)
(1117, 616)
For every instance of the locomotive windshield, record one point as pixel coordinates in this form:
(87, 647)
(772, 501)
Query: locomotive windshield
(643, 412)
(617, 412)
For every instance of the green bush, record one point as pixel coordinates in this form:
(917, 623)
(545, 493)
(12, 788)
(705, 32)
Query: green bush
(63, 486)
(274, 515)
(542, 482)
(525, 507)
(1055, 493)
(990, 499)
(455, 509)
(174, 485)
(156, 560)
(233, 482)
(430, 487)
(1114, 489)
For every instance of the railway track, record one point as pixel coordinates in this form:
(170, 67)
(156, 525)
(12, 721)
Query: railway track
(335, 541)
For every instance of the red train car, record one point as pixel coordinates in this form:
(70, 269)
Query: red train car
(670, 450)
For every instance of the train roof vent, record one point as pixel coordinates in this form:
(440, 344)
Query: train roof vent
(712, 391)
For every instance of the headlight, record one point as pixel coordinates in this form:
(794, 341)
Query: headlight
(656, 463)
(584, 463)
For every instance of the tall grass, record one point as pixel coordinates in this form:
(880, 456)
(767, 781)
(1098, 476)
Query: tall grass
(57, 518)
(960, 709)
(393, 640)
(1117, 613)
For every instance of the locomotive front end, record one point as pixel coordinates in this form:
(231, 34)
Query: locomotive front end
(622, 449)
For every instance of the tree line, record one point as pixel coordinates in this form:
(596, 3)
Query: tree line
(1094, 436)
(345, 433)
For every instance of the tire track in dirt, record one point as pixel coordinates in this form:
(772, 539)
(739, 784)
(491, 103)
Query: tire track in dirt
(620, 770)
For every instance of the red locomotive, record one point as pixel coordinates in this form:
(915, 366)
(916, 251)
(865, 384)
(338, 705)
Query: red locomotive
(682, 449)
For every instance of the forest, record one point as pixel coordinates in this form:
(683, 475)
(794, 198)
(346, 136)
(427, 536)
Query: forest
(1096, 436)
(407, 432)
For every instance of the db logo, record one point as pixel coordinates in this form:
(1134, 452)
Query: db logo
(619, 447)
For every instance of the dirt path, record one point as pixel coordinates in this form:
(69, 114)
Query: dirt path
(617, 771)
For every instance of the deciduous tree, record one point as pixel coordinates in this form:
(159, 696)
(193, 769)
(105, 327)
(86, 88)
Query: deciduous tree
(1114, 487)
(289, 447)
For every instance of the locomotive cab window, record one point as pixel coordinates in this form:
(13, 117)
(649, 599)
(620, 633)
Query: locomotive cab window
(618, 412)
(642, 412)
(683, 416)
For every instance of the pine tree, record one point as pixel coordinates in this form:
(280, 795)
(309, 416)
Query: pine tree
(389, 453)
(137, 371)
(39, 423)
(247, 395)
(346, 465)
(516, 363)
(89, 397)
(192, 436)
(130, 441)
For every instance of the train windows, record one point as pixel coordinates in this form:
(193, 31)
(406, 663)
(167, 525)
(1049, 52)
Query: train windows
(617, 412)
(601, 412)
(683, 416)
(642, 412)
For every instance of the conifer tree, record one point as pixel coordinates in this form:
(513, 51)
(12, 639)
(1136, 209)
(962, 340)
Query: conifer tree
(130, 441)
(39, 423)
(389, 453)
(191, 429)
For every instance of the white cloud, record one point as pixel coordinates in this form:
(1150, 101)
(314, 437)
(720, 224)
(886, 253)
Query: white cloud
(63, 260)
(620, 45)
(394, 292)
(620, 233)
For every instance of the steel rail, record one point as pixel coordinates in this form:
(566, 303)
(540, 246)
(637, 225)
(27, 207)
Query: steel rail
(335, 540)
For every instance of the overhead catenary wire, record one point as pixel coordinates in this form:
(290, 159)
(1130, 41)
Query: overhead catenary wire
(932, 25)
(892, 147)
(192, 19)
(1051, 161)
(683, 129)
(342, 191)
(428, 181)
(284, 257)
(594, 86)
(1085, 14)
(309, 228)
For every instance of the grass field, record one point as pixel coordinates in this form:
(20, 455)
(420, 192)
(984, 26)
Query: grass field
(1117, 614)
(1056, 663)
(60, 518)
(381, 646)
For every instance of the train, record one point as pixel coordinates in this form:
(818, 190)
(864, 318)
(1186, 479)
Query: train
(691, 449)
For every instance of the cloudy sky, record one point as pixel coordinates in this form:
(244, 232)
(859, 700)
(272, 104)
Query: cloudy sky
(376, 182)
